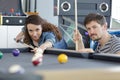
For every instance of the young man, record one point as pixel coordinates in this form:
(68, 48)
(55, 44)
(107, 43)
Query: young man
(97, 30)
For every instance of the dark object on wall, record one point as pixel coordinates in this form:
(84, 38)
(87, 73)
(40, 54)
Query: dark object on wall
(12, 12)
(13, 20)
(66, 7)
(84, 7)
(14, 5)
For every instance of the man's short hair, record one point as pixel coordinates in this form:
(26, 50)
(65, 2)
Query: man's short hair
(100, 19)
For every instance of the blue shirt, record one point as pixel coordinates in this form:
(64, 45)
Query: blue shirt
(49, 36)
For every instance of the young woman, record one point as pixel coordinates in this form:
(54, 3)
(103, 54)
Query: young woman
(40, 34)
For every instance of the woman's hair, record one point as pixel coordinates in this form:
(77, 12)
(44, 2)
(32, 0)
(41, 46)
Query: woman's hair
(46, 26)
(50, 27)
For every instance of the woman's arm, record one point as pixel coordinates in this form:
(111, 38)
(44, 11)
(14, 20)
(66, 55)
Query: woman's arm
(49, 41)
(19, 36)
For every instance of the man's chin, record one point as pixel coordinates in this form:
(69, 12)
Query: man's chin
(93, 38)
(96, 39)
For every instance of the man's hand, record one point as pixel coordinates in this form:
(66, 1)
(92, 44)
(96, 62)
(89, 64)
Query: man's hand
(87, 50)
(77, 36)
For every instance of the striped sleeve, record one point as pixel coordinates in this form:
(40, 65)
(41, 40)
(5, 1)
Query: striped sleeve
(115, 47)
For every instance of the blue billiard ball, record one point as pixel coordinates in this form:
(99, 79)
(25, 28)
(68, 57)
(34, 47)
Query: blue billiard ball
(16, 52)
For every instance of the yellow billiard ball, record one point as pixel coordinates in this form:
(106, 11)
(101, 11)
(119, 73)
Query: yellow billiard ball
(62, 58)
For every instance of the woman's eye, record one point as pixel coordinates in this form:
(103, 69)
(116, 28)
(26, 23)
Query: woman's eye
(37, 29)
(30, 30)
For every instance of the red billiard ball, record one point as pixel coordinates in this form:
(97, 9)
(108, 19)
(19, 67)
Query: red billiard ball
(37, 59)
(16, 52)
(36, 62)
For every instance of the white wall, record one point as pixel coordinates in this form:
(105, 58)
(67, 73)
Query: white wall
(116, 9)
(45, 9)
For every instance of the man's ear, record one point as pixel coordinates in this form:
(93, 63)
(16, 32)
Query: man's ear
(106, 25)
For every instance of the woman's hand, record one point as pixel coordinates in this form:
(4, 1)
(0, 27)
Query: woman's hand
(37, 50)
(38, 56)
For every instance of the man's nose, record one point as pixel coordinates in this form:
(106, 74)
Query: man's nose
(91, 31)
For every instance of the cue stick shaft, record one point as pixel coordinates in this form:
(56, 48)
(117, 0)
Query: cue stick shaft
(71, 21)
(76, 27)
(26, 6)
(29, 5)
(35, 6)
(30, 46)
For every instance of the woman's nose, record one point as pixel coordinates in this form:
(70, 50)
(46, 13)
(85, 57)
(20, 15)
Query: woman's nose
(34, 33)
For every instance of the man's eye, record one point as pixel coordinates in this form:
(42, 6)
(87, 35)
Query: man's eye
(88, 28)
(37, 29)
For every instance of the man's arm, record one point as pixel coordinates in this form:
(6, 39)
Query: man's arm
(118, 52)
(81, 47)
(78, 37)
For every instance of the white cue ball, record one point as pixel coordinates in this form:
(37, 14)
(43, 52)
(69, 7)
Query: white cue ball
(16, 69)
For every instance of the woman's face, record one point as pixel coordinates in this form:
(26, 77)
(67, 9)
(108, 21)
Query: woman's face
(34, 31)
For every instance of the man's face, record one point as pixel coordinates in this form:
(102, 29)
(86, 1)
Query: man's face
(95, 30)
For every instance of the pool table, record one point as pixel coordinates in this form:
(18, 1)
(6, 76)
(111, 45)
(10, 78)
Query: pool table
(78, 63)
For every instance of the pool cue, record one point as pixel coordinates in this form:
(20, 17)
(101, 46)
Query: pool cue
(30, 46)
(71, 21)
(76, 26)
(29, 5)
(26, 6)
(35, 6)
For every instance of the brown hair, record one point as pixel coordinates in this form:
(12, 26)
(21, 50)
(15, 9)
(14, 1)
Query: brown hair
(46, 26)
(100, 19)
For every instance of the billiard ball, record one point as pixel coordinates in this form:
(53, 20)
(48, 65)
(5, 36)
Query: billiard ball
(62, 58)
(16, 69)
(1, 55)
(37, 58)
(37, 62)
(16, 52)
